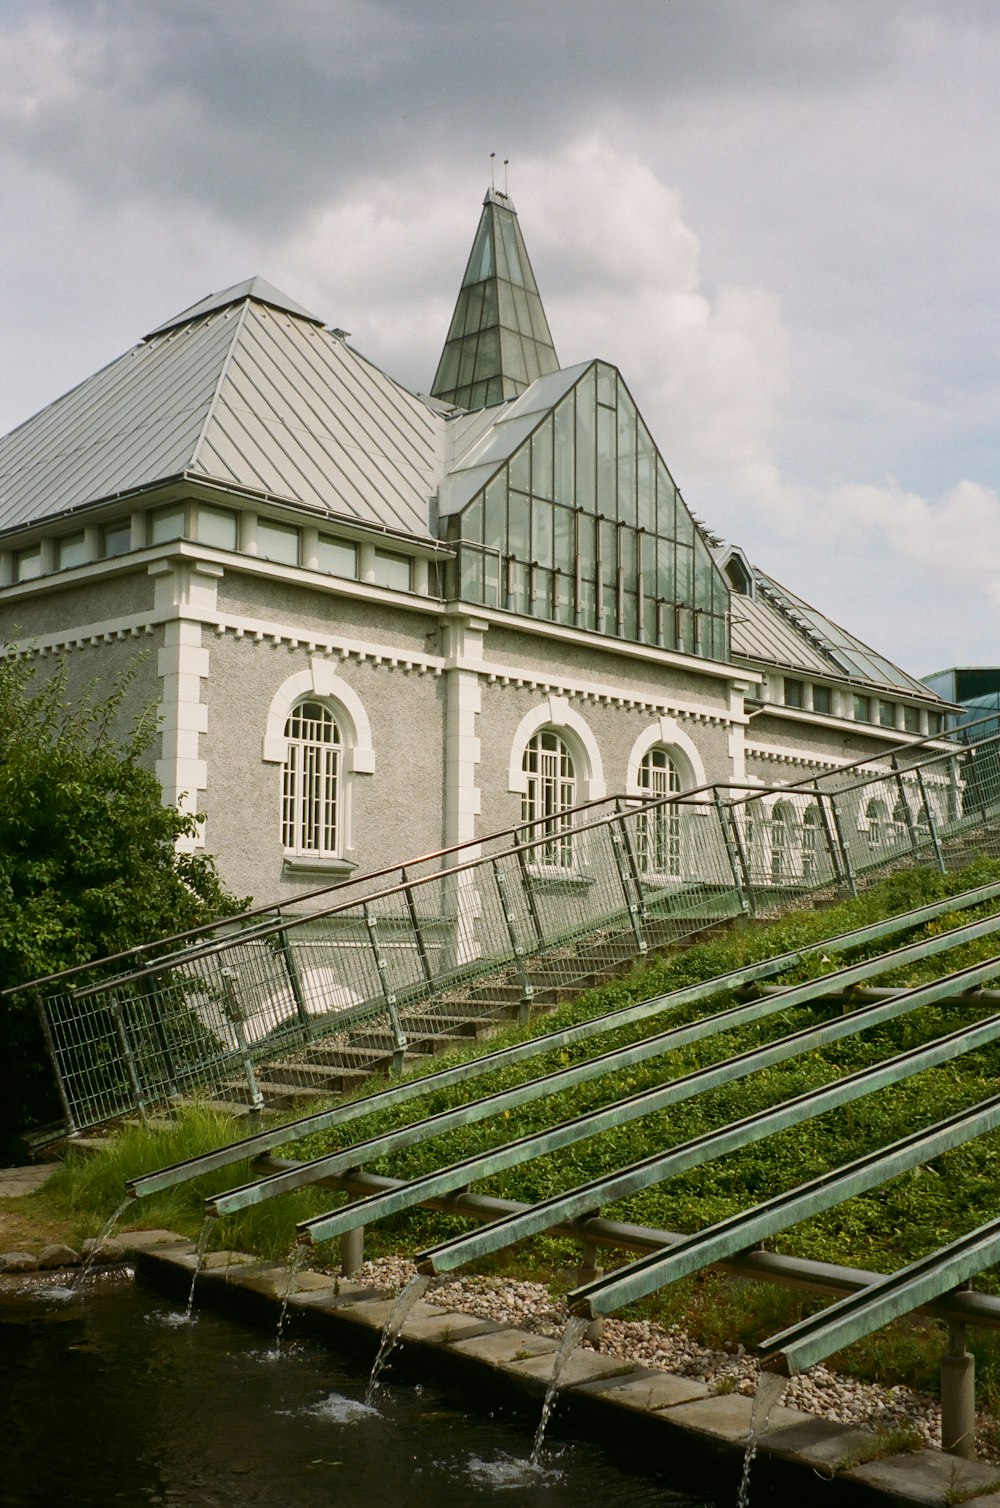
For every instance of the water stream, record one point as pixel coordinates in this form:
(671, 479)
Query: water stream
(576, 1327)
(199, 1262)
(296, 1260)
(769, 1390)
(392, 1331)
(81, 1276)
(113, 1404)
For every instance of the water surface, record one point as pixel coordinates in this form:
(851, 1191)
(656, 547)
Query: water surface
(109, 1398)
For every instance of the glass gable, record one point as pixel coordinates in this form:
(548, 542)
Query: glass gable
(499, 340)
(583, 525)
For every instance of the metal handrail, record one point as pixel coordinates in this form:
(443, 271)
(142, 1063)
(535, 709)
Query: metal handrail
(753, 792)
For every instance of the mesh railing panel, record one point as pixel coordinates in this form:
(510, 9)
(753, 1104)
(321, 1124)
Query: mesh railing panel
(556, 906)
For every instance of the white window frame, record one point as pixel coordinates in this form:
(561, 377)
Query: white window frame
(312, 779)
(550, 792)
(320, 683)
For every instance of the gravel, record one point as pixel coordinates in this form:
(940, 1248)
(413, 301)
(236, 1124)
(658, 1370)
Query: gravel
(530, 1306)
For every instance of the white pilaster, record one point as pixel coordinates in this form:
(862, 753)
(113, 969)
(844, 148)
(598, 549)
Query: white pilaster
(185, 593)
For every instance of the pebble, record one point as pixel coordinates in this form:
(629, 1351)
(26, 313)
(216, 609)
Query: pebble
(530, 1306)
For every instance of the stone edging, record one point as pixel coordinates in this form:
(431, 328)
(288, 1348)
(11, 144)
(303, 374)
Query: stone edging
(673, 1418)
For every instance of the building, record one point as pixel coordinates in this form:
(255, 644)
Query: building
(380, 622)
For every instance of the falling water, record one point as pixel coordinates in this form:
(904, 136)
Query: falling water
(392, 1331)
(769, 1390)
(296, 1261)
(206, 1231)
(81, 1277)
(576, 1327)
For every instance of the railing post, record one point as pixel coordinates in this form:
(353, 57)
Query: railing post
(411, 911)
(399, 1037)
(161, 1037)
(911, 826)
(295, 980)
(845, 852)
(527, 988)
(632, 859)
(529, 894)
(958, 1396)
(121, 1032)
(234, 1013)
(631, 904)
(732, 840)
(830, 838)
(50, 1048)
(932, 826)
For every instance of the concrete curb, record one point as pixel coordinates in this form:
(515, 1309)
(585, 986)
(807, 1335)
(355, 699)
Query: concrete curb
(672, 1418)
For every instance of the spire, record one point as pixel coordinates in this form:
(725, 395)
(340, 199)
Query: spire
(499, 339)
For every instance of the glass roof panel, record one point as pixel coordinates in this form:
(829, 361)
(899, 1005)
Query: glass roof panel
(498, 289)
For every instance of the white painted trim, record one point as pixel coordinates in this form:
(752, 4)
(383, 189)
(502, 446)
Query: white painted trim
(556, 713)
(682, 749)
(607, 644)
(608, 695)
(389, 655)
(321, 680)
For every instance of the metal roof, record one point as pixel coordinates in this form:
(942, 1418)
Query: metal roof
(245, 393)
(256, 288)
(776, 627)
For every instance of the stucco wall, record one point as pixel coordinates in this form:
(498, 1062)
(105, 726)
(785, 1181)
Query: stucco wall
(395, 811)
(309, 609)
(57, 609)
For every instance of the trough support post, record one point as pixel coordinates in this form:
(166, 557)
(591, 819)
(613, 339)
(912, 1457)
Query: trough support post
(588, 1272)
(958, 1396)
(352, 1251)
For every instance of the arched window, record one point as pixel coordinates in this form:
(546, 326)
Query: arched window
(658, 832)
(876, 815)
(311, 787)
(782, 818)
(549, 793)
(810, 841)
(901, 822)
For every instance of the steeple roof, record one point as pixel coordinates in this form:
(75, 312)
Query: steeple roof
(499, 341)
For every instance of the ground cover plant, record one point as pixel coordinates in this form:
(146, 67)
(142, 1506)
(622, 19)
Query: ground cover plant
(883, 1230)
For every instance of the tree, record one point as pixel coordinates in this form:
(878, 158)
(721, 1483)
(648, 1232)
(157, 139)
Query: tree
(89, 856)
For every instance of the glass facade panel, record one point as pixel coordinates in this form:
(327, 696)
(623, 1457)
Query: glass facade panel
(586, 494)
(28, 563)
(911, 719)
(71, 550)
(166, 524)
(217, 526)
(392, 570)
(116, 538)
(862, 709)
(822, 699)
(278, 542)
(337, 557)
(887, 714)
(793, 692)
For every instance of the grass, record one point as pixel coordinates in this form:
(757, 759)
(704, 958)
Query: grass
(883, 1230)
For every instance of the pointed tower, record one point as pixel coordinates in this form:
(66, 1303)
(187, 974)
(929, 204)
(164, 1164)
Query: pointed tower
(499, 339)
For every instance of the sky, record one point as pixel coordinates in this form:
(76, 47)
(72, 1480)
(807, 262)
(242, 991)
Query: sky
(778, 218)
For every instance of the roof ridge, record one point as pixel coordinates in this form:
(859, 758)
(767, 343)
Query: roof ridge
(220, 380)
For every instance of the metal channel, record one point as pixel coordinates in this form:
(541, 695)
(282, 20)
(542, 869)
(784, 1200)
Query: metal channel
(803, 1345)
(727, 1237)
(338, 1115)
(624, 1182)
(773, 1003)
(525, 1149)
